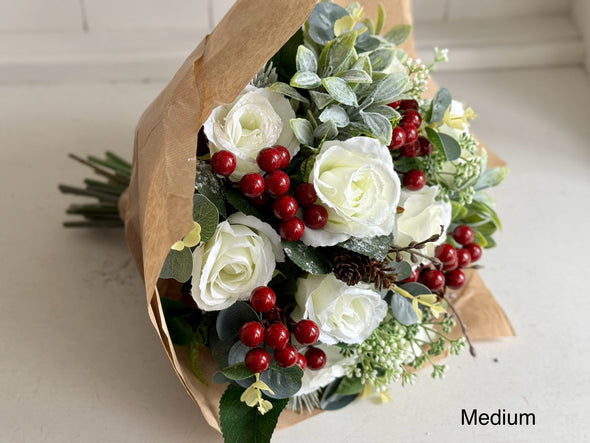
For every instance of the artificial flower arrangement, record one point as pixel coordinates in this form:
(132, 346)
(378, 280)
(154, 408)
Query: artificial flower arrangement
(334, 213)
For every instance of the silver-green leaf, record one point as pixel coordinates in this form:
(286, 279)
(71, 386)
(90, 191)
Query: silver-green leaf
(380, 126)
(178, 265)
(303, 130)
(399, 34)
(306, 80)
(390, 88)
(340, 91)
(356, 76)
(337, 114)
(306, 60)
(289, 91)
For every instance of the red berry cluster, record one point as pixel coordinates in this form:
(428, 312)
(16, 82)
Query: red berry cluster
(276, 337)
(405, 136)
(452, 260)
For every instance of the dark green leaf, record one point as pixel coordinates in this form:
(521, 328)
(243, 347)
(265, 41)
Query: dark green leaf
(178, 265)
(321, 21)
(307, 258)
(238, 201)
(209, 185)
(230, 320)
(374, 247)
(331, 400)
(243, 424)
(206, 215)
(284, 60)
(350, 386)
(181, 320)
(194, 349)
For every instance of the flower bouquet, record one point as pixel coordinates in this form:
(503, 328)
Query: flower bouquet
(306, 221)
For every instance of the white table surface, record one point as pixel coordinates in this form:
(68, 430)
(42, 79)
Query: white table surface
(80, 361)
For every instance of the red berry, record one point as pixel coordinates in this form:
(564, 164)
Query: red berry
(455, 279)
(257, 360)
(285, 207)
(398, 138)
(301, 361)
(263, 299)
(451, 266)
(273, 314)
(292, 230)
(426, 147)
(433, 279)
(475, 251)
(276, 336)
(269, 159)
(409, 104)
(414, 179)
(414, 276)
(395, 104)
(412, 117)
(285, 156)
(315, 216)
(305, 194)
(463, 235)
(410, 150)
(252, 185)
(306, 332)
(446, 253)
(411, 133)
(251, 334)
(223, 163)
(316, 358)
(261, 200)
(277, 183)
(463, 257)
(287, 356)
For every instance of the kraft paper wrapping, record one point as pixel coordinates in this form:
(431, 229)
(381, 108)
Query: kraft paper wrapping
(157, 207)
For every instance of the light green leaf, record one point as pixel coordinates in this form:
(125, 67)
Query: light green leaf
(492, 177)
(399, 34)
(237, 372)
(440, 103)
(380, 126)
(205, 214)
(306, 60)
(338, 55)
(288, 91)
(307, 258)
(178, 265)
(349, 386)
(390, 88)
(340, 91)
(303, 130)
(336, 114)
(306, 80)
(458, 211)
(380, 19)
(363, 63)
(355, 76)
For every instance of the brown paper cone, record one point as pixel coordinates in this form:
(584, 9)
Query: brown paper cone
(157, 207)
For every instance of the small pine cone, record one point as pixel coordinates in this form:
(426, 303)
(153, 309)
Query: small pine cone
(350, 267)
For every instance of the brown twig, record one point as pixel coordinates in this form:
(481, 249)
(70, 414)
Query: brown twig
(463, 328)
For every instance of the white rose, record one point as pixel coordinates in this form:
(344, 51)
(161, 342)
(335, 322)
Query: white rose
(336, 367)
(257, 119)
(422, 217)
(240, 257)
(355, 182)
(347, 314)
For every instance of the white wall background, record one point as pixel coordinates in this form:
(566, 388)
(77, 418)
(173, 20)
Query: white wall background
(122, 39)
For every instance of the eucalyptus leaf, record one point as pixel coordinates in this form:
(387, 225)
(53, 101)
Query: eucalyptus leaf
(303, 130)
(403, 310)
(284, 382)
(306, 80)
(178, 265)
(379, 125)
(340, 91)
(374, 247)
(205, 213)
(399, 34)
(321, 21)
(230, 320)
(307, 258)
(451, 147)
(306, 60)
(415, 288)
(288, 91)
(237, 372)
(335, 113)
(401, 269)
(440, 103)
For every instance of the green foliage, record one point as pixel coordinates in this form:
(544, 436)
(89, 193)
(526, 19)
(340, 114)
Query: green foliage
(303, 130)
(374, 247)
(238, 201)
(178, 265)
(182, 320)
(349, 386)
(230, 320)
(243, 424)
(205, 213)
(237, 372)
(399, 34)
(198, 341)
(209, 185)
(307, 258)
(332, 400)
(445, 144)
(490, 178)
(439, 105)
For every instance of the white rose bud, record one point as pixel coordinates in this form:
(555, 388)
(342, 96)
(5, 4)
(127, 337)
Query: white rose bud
(240, 257)
(347, 314)
(355, 181)
(257, 119)
(422, 217)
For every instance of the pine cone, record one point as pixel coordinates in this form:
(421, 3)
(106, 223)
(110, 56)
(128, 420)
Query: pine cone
(350, 267)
